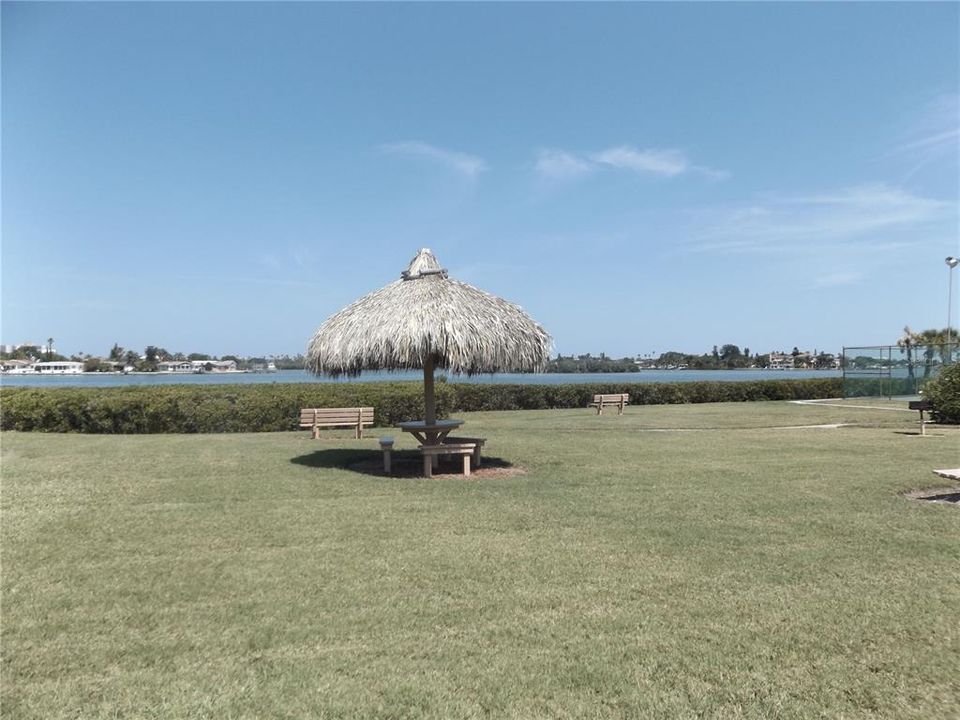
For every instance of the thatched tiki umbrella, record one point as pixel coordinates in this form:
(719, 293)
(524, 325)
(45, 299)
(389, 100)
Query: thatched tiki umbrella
(426, 320)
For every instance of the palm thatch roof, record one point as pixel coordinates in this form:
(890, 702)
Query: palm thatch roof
(427, 320)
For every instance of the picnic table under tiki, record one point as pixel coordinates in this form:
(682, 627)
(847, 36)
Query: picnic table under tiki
(427, 434)
(426, 320)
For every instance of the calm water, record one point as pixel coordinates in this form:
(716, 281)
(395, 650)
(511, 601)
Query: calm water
(301, 376)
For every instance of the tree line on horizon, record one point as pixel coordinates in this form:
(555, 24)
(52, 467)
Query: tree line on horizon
(148, 361)
(928, 344)
(724, 357)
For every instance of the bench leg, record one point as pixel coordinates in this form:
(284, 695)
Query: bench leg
(466, 466)
(386, 462)
(476, 456)
(315, 435)
(427, 466)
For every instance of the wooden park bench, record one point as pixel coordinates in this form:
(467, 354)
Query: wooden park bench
(316, 418)
(618, 401)
(922, 406)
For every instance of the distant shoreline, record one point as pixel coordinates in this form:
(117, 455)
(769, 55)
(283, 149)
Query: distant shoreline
(303, 376)
(688, 369)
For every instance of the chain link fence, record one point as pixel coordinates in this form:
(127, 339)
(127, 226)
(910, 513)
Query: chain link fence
(893, 371)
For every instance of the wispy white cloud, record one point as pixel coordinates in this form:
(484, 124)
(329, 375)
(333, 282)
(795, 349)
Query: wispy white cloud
(293, 259)
(710, 172)
(933, 136)
(467, 165)
(862, 215)
(561, 165)
(937, 128)
(662, 162)
(937, 140)
(839, 279)
(658, 162)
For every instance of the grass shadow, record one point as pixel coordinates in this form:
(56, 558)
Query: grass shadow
(404, 463)
(336, 457)
(950, 497)
(917, 433)
(946, 495)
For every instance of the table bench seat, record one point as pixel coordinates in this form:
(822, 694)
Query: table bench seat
(477, 443)
(432, 451)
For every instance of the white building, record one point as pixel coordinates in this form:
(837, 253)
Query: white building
(197, 366)
(182, 366)
(58, 367)
(781, 361)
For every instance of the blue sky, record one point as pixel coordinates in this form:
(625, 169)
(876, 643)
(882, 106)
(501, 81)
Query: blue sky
(640, 177)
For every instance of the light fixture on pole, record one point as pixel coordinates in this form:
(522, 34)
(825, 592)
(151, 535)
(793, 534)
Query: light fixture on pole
(951, 262)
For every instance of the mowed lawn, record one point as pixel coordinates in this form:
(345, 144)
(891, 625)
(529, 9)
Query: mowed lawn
(699, 561)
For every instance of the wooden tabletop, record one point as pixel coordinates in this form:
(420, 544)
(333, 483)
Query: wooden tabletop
(421, 425)
(432, 434)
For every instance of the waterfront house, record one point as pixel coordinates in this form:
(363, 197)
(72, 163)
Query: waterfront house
(197, 366)
(58, 367)
(781, 361)
(18, 366)
(183, 366)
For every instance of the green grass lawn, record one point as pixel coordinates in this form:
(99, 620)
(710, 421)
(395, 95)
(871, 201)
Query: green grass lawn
(698, 561)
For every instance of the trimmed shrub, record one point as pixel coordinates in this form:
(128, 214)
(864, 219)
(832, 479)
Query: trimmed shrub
(944, 393)
(274, 407)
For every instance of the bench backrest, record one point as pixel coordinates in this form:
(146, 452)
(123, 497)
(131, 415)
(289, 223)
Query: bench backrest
(619, 397)
(336, 416)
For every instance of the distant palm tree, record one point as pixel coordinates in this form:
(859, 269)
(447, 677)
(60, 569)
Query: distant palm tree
(934, 341)
(906, 342)
(49, 348)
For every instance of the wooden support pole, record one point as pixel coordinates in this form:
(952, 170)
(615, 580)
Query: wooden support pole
(429, 401)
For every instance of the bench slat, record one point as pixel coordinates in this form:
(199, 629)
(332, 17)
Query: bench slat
(337, 419)
(340, 412)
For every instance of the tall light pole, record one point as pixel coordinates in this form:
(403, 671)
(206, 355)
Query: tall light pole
(951, 262)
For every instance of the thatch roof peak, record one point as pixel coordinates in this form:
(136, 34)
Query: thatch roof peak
(425, 263)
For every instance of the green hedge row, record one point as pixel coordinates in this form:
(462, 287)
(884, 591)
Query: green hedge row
(533, 397)
(273, 407)
(202, 409)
